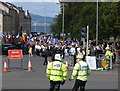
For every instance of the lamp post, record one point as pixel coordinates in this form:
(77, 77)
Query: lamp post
(97, 24)
(63, 16)
(63, 21)
(35, 25)
(44, 19)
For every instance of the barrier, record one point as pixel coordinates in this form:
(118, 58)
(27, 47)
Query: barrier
(91, 60)
(117, 52)
(111, 66)
(15, 55)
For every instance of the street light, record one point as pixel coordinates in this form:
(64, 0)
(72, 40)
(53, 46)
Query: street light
(63, 17)
(44, 19)
(63, 21)
(35, 25)
(97, 24)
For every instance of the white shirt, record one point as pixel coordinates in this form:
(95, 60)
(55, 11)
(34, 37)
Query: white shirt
(72, 51)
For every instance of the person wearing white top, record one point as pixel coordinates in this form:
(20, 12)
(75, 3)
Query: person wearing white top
(73, 55)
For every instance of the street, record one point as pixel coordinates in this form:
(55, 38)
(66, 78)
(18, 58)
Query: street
(22, 79)
(74, 30)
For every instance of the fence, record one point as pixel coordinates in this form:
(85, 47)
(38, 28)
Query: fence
(93, 62)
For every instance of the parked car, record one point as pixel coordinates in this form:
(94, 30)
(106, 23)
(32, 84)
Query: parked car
(6, 47)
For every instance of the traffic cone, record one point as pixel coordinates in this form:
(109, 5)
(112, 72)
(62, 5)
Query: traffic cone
(49, 60)
(5, 66)
(29, 66)
(66, 60)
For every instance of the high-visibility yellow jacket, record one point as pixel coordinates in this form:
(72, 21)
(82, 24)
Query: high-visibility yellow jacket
(43, 47)
(108, 54)
(88, 52)
(81, 71)
(30, 50)
(56, 71)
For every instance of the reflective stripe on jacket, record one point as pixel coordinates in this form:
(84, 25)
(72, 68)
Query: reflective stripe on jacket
(81, 71)
(56, 71)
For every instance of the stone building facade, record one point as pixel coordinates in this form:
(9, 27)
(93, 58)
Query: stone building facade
(14, 19)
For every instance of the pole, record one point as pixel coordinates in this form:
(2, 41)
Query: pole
(111, 63)
(63, 22)
(35, 26)
(45, 21)
(97, 24)
(87, 40)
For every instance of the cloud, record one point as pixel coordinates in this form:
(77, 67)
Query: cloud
(30, 0)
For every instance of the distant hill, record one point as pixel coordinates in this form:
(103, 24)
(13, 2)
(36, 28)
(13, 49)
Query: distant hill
(39, 21)
(39, 18)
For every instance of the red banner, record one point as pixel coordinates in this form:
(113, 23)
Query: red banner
(15, 54)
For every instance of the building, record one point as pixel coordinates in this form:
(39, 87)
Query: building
(14, 19)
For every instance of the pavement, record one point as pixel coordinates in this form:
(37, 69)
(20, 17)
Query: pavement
(22, 79)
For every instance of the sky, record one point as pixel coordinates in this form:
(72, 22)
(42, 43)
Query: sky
(30, 0)
(60, 0)
(50, 9)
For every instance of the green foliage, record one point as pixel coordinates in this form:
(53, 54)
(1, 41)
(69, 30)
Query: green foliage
(109, 25)
(79, 15)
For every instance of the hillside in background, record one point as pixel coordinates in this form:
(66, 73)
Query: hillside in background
(38, 23)
(41, 18)
(34, 7)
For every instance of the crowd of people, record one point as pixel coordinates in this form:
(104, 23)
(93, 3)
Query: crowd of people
(47, 46)
(58, 51)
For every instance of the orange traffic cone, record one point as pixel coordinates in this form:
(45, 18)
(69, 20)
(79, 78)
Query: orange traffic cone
(5, 66)
(29, 66)
(49, 60)
(66, 60)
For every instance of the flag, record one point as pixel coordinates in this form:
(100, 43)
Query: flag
(23, 36)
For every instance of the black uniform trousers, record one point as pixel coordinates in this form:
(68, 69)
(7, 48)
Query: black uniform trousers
(79, 83)
(55, 85)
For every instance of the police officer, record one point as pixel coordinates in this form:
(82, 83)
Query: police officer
(56, 73)
(108, 54)
(81, 72)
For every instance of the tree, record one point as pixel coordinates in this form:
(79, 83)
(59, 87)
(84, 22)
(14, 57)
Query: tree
(79, 15)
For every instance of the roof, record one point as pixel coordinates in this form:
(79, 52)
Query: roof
(13, 6)
(6, 5)
(27, 14)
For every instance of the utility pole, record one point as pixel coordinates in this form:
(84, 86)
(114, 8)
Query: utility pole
(44, 19)
(87, 40)
(63, 21)
(35, 25)
(97, 24)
